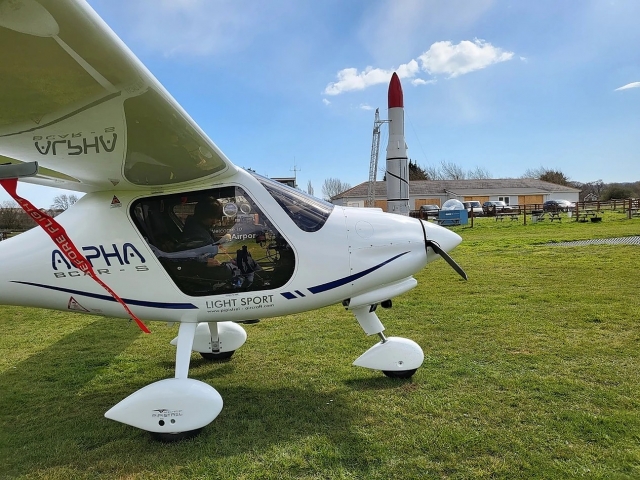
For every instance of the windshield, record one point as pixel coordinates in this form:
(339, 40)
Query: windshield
(307, 212)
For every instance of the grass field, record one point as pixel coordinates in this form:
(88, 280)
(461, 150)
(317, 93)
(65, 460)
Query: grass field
(532, 370)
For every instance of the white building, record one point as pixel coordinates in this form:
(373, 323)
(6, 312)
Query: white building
(513, 191)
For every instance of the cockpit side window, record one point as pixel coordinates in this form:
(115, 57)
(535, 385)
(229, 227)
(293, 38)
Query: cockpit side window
(215, 241)
(307, 212)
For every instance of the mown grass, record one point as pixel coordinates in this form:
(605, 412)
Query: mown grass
(531, 370)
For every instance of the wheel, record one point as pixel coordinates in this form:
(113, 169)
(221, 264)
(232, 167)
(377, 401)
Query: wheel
(175, 437)
(399, 373)
(217, 356)
(248, 322)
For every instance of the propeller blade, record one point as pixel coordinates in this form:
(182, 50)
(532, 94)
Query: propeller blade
(449, 260)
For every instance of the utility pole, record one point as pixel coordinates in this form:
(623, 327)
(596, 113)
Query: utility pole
(295, 171)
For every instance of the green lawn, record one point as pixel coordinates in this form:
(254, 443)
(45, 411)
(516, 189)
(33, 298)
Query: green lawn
(532, 370)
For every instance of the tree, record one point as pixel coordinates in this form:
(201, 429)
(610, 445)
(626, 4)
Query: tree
(555, 176)
(594, 188)
(433, 173)
(332, 187)
(479, 173)
(617, 191)
(416, 172)
(309, 188)
(534, 172)
(452, 171)
(63, 202)
(10, 215)
(547, 175)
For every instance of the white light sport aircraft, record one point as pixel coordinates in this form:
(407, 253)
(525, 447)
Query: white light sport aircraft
(168, 222)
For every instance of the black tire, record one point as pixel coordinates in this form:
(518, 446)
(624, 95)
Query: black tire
(217, 356)
(399, 373)
(175, 437)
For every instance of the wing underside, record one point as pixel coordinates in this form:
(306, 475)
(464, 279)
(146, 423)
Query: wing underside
(76, 100)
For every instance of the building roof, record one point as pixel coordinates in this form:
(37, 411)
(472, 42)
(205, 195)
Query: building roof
(502, 186)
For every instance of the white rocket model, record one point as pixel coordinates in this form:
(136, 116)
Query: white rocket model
(397, 162)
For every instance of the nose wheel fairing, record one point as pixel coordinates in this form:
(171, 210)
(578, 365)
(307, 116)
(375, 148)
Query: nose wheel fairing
(393, 354)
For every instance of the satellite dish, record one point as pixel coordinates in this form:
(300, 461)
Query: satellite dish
(28, 16)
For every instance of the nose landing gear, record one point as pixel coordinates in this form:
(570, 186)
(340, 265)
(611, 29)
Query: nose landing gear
(396, 357)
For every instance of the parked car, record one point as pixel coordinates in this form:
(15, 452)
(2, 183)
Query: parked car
(558, 206)
(495, 206)
(474, 206)
(429, 210)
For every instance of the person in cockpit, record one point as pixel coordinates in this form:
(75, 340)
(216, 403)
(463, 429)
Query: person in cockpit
(197, 229)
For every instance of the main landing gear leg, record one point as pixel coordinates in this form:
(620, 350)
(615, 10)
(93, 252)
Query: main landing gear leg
(174, 408)
(396, 357)
(217, 340)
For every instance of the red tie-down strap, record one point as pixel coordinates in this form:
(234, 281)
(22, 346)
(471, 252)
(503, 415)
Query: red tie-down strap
(64, 243)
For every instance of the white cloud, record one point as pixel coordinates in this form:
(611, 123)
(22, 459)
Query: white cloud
(364, 106)
(628, 86)
(408, 70)
(350, 79)
(420, 81)
(326, 102)
(465, 57)
(441, 58)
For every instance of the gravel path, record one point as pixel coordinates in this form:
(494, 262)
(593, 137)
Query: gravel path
(599, 241)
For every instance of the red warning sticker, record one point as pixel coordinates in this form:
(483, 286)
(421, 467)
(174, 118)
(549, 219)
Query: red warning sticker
(115, 203)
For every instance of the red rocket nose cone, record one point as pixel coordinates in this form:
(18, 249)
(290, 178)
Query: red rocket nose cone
(395, 92)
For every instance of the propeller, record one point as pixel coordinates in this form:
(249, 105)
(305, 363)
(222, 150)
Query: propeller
(447, 257)
(436, 248)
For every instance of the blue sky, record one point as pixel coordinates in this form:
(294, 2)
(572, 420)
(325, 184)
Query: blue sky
(503, 85)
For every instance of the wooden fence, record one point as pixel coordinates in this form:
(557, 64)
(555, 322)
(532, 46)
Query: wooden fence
(628, 206)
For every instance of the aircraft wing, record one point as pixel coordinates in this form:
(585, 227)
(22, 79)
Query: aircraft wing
(75, 99)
